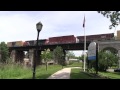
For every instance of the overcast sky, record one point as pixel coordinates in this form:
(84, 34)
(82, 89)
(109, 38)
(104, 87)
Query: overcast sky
(21, 25)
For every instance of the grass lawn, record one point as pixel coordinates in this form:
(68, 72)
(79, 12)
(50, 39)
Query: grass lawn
(18, 72)
(111, 75)
(79, 74)
(75, 64)
(43, 74)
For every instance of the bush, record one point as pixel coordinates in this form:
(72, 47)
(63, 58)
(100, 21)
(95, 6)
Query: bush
(105, 60)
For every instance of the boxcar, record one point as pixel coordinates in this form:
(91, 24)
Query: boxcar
(62, 39)
(98, 37)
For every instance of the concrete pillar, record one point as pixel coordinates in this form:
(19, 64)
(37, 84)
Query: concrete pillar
(31, 56)
(22, 55)
(19, 56)
(13, 55)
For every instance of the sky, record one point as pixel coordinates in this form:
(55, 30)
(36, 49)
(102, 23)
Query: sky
(21, 25)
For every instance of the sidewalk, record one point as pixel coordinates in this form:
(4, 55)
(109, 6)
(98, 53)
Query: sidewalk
(62, 74)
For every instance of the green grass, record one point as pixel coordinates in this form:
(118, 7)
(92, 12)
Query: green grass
(8, 71)
(19, 72)
(75, 64)
(111, 75)
(43, 74)
(79, 74)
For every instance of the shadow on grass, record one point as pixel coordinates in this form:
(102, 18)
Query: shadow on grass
(118, 73)
(97, 76)
(43, 76)
(78, 74)
(111, 75)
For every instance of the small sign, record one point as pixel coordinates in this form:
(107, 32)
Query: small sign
(92, 51)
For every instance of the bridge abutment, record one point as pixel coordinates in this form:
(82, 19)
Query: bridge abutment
(31, 56)
(13, 55)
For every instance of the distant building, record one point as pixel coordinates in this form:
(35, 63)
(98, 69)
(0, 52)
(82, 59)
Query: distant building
(73, 59)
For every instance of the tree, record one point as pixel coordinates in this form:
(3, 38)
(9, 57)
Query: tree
(82, 58)
(105, 59)
(111, 49)
(70, 54)
(114, 17)
(4, 52)
(46, 55)
(58, 55)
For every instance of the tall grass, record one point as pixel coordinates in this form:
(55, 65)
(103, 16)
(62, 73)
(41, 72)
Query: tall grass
(111, 75)
(13, 71)
(18, 71)
(79, 74)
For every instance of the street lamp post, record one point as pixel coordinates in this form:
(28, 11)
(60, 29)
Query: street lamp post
(38, 27)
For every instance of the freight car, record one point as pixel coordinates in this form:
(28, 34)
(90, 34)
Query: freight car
(15, 44)
(29, 43)
(98, 37)
(61, 39)
(33, 42)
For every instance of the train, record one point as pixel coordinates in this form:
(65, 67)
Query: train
(62, 40)
(99, 37)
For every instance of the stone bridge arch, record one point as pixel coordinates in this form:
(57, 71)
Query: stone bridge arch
(110, 44)
(111, 49)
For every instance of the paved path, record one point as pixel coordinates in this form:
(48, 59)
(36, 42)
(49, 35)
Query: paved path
(62, 74)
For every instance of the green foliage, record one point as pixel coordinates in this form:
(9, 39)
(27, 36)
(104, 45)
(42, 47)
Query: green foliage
(78, 74)
(4, 52)
(12, 71)
(82, 57)
(17, 71)
(111, 75)
(74, 64)
(46, 55)
(114, 17)
(70, 54)
(111, 49)
(105, 60)
(58, 55)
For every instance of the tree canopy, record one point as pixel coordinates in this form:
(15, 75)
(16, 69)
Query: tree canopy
(106, 59)
(3, 52)
(58, 55)
(114, 17)
(46, 55)
(70, 54)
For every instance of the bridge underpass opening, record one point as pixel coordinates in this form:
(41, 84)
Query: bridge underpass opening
(26, 60)
(114, 52)
(76, 53)
(111, 49)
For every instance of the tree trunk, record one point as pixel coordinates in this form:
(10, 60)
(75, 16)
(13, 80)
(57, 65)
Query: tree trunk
(46, 66)
(62, 66)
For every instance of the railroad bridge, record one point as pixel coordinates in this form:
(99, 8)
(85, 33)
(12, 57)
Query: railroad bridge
(70, 42)
(17, 53)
